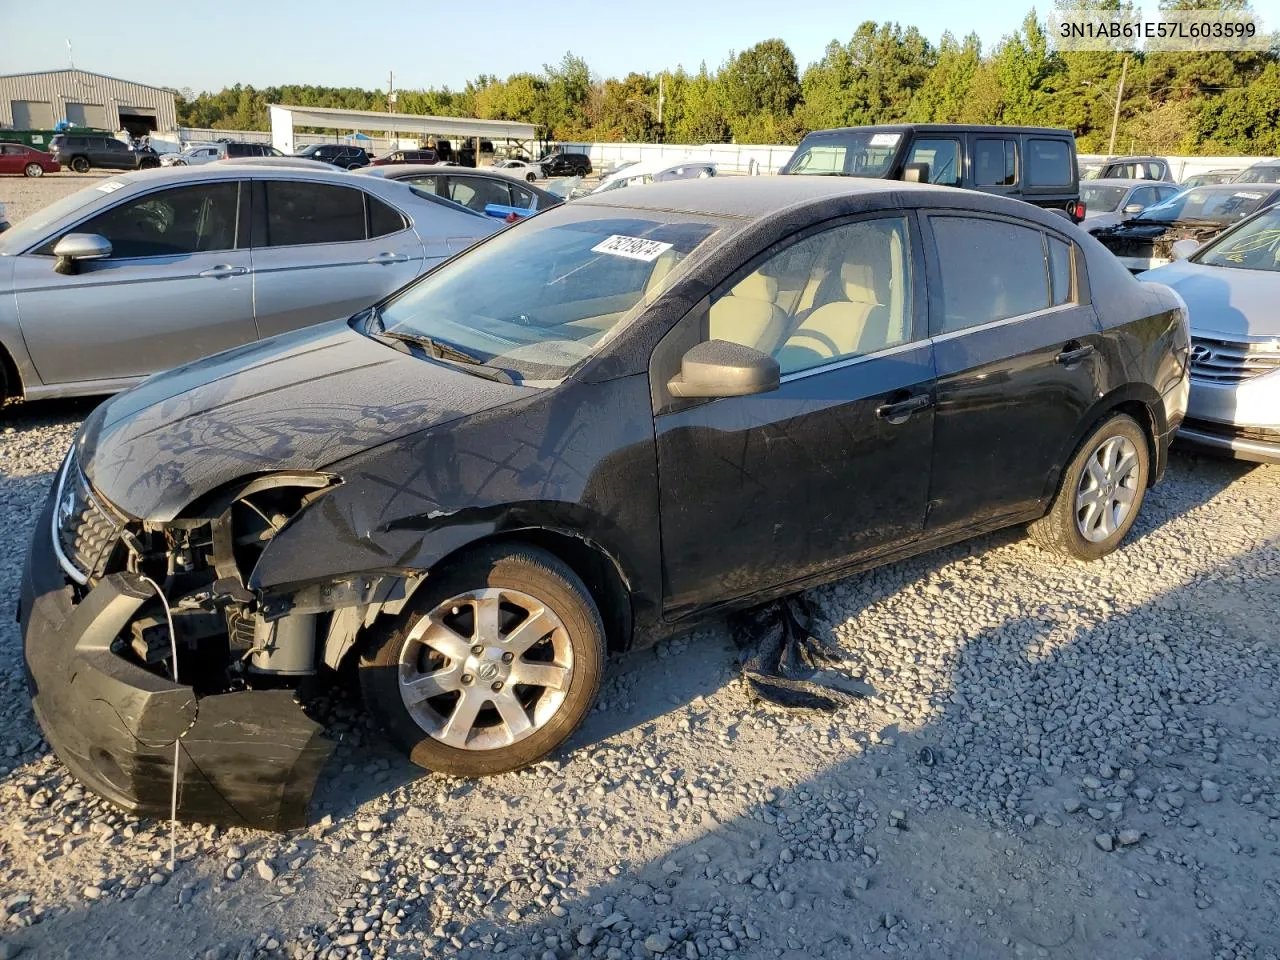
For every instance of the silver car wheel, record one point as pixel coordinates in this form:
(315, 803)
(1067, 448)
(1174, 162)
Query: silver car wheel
(1108, 488)
(34, 170)
(485, 669)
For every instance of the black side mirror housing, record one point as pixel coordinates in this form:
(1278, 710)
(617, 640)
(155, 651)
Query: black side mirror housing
(718, 368)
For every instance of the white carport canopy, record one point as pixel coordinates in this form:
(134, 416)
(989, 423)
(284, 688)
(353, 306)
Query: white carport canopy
(285, 117)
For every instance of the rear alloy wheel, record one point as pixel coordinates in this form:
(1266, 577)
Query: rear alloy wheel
(80, 164)
(33, 170)
(490, 667)
(1101, 492)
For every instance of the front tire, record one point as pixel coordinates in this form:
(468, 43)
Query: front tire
(493, 663)
(1100, 494)
(33, 170)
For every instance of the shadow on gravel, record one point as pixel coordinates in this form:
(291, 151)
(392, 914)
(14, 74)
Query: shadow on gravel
(966, 852)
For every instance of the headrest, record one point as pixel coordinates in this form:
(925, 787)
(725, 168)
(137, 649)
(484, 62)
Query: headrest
(859, 282)
(756, 286)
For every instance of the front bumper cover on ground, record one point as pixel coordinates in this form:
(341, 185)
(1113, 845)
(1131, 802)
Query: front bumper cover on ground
(247, 758)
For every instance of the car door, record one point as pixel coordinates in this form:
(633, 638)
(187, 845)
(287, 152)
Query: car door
(942, 154)
(176, 287)
(114, 155)
(766, 490)
(322, 251)
(1017, 351)
(12, 158)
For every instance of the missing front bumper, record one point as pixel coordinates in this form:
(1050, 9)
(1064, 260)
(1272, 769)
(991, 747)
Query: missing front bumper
(247, 758)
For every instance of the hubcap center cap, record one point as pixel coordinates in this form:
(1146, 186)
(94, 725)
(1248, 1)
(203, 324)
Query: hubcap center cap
(488, 667)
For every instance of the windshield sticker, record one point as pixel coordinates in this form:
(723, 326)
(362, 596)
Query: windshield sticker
(111, 186)
(1248, 196)
(633, 248)
(885, 139)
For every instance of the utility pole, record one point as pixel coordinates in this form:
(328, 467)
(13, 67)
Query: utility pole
(1115, 116)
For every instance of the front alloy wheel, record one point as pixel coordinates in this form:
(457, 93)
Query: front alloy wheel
(493, 663)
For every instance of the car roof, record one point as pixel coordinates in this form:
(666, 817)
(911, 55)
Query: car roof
(1133, 158)
(948, 128)
(236, 169)
(1124, 182)
(757, 197)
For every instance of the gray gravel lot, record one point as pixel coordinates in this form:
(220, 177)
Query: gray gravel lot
(1060, 760)
(23, 196)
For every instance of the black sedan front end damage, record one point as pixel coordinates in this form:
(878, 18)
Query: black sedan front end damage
(100, 669)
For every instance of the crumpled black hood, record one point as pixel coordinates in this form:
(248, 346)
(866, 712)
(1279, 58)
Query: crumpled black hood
(300, 401)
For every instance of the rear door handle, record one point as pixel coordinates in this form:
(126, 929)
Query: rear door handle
(388, 258)
(1074, 353)
(224, 270)
(901, 410)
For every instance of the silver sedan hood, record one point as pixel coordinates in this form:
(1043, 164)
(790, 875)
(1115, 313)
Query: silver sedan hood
(1224, 301)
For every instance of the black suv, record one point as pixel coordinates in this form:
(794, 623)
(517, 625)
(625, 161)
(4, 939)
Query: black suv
(338, 154)
(566, 164)
(79, 152)
(1035, 164)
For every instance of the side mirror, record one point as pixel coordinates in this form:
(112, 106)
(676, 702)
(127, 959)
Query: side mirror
(74, 247)
(1184, 248)
(1132, 208)
(915, 173)
(718, 368)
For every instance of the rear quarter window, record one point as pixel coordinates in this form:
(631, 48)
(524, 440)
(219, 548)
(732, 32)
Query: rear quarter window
(1048, 163)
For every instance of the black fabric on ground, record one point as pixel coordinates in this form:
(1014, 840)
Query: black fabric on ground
(784, 663)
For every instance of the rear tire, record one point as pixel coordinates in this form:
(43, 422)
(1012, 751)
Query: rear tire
(1100, 494)
(451, 679)
(80, 164)
(148, 164)
(33, 170)
(531, 177)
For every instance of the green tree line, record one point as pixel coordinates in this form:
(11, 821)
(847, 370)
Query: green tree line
(1173, 103)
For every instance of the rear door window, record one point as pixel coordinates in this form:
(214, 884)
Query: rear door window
(477, 192)
(1048, 163)
(942, 156)
(299, 212)
(989, 270)
(995, 163)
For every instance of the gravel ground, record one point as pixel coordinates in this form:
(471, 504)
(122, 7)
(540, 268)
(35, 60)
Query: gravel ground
(23, 196)
(1059, 760)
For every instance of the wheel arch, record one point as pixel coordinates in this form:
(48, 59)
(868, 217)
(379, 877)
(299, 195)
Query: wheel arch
(11, 384)
(599, 570)
(1139, 401)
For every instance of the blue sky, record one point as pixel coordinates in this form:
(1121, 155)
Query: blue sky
(202, 45)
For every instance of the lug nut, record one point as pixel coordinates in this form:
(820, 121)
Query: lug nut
(497, 685)
(477, 649)
(466, 678)
(507, 658)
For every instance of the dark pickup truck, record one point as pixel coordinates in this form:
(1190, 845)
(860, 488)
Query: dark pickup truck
(1035, 164)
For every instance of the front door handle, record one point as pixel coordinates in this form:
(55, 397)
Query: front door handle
(1073, 353)
(224, 270)
(900, 410)
(388, 258)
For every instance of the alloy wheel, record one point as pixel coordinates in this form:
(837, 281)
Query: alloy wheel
(1108, 488)
(485, 669)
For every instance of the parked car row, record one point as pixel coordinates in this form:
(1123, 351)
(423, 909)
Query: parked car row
(473, 488)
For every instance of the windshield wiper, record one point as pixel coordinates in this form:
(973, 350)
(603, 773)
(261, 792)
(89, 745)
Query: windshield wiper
(447, 352)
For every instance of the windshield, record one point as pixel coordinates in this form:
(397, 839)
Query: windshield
(537, 299)
(852, 153)
(1204, 203)
(33, 228)
(1100, 199)
(1253, 246)
(1260, 174)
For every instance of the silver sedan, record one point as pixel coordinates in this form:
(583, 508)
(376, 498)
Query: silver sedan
(1231, 287)
(148, 270)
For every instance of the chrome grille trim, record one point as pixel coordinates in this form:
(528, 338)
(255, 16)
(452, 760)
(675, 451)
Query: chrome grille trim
(1232, 361)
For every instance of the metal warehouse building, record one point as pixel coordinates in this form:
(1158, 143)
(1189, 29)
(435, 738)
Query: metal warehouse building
(38, 101)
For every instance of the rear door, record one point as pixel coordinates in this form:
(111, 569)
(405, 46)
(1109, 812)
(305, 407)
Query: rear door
(175, 288)
(994, 164)
(1018, 357)
(322, 251)
(12, 158)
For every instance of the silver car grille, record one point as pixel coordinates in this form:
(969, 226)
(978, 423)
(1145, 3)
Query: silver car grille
(1232, 361)
(84, 528)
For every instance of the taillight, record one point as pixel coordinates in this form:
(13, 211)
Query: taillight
(1076, 210)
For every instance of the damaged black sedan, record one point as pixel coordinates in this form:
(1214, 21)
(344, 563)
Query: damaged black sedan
(590, 431)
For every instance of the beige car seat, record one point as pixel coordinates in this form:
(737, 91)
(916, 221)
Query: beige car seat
(749, 315)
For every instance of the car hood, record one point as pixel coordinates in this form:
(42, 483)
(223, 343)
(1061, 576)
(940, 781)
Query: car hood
(1224, 301)
(300, 401)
